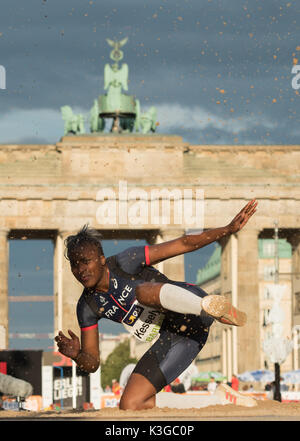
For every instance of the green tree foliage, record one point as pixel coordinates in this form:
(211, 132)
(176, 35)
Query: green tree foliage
(115, 363)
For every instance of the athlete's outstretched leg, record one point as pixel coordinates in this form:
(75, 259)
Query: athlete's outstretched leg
(182, 300)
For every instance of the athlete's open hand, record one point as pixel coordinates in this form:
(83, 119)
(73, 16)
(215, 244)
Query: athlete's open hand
(243, 216)
(68, 346)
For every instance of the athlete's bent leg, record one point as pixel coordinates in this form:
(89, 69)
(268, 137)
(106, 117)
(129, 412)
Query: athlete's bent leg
(139, 394)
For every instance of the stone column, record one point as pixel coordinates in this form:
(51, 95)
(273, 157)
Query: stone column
(248, 336)
(229, 277)
(224, 352)
(225, 276)
(67, 289)
(173, 268)
(294, 240)
(4, 289)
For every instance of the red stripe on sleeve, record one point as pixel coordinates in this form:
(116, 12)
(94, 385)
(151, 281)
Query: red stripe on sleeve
(87, 328)
(147, 255)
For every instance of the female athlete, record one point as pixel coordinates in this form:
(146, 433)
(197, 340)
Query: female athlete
(127, 289)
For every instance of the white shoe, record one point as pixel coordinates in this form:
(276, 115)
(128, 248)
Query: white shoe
(228, 395)
(222, 310)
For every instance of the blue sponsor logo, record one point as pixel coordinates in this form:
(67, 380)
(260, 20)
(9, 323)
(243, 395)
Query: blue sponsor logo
(133, 315)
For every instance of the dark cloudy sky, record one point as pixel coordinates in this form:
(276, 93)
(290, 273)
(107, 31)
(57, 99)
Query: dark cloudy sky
(218, 72)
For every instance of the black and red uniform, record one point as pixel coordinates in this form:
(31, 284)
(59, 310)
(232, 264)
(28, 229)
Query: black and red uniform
(180, 337)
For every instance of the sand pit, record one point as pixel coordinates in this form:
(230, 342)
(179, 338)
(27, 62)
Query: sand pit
(265, 410)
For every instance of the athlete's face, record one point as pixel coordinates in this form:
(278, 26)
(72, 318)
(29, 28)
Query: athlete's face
(87, 265)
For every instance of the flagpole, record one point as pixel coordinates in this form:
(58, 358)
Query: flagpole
(277, 393)
(74, 385)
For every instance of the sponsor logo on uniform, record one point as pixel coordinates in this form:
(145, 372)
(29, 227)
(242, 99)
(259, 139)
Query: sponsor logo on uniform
(140, 332)
(133, 315)
(102, 299)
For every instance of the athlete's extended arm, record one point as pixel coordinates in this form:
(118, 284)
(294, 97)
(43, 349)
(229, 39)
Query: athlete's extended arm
(192, 242)
(87, 356)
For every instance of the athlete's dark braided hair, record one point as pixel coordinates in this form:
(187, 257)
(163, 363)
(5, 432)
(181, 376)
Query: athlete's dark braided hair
(84, 236)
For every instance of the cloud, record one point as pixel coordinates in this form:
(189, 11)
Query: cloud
(177, 116)
(34, 125)
(47, 126)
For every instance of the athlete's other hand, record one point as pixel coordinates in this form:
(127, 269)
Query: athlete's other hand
(243, 216)
(69, 347)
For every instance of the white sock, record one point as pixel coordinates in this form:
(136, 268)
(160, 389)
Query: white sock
(177, 299)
